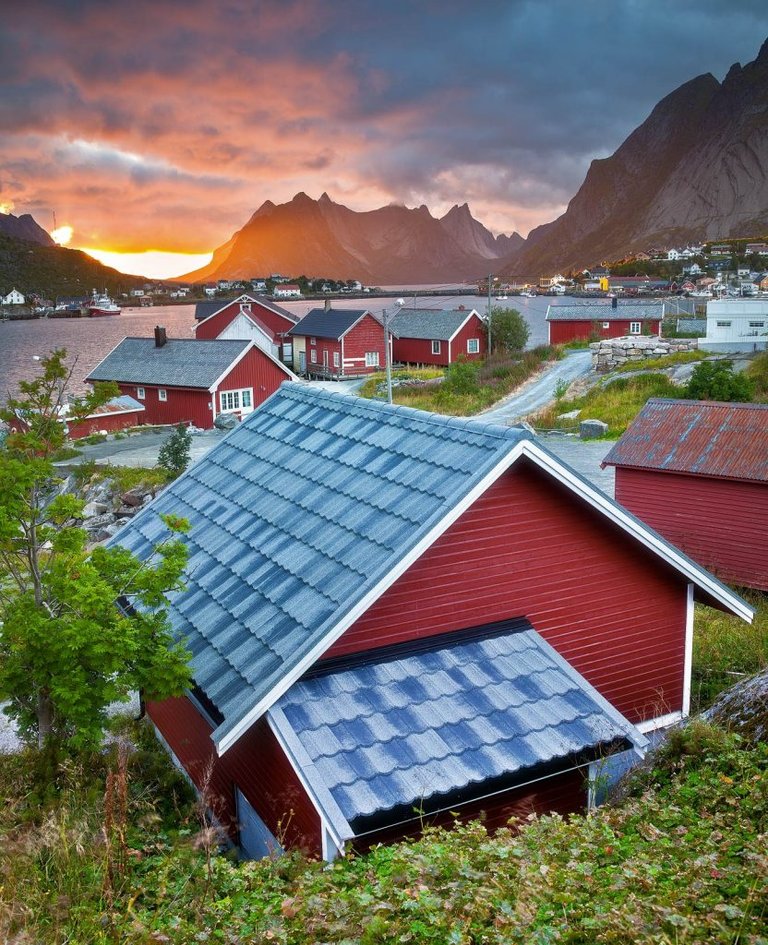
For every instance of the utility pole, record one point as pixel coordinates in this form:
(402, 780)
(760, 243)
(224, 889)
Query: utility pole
(386, 315)
(490, 281)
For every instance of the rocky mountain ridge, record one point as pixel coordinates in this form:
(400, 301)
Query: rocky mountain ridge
(24, 227)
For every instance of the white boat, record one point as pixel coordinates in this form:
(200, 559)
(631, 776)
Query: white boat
(528, 295)
(102, 305)
(501, 298)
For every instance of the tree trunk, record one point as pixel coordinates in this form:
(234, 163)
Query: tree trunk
(44, 717)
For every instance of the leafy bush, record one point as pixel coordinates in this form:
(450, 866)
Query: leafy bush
(716, 380)
(461, 377)
(175, 453)
(509, 330)
(757, 372)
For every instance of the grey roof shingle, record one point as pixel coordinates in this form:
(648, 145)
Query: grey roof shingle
(428, 324)
(328, 323)
(179, 363)
(396, 732)
(602, 310)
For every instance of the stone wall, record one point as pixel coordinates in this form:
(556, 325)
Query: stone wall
(612, 352)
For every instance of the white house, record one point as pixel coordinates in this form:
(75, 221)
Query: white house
(287, 291)
(673, 254)
(14, 297)
(736, 325)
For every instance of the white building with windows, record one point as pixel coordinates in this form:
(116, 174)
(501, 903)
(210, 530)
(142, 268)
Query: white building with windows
(14, 297)
(736, 325)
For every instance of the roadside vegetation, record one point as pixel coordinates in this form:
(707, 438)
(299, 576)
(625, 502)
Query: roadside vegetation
(658, 364)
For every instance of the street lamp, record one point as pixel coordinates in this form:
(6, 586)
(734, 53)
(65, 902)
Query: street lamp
(388, 314)
(491, 280)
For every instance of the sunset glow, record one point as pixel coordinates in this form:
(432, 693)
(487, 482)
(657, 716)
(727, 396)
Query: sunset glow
(62, 235)
(154, 264)
(7, 207)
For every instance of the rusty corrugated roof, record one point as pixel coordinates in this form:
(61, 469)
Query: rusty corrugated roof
(697, 436)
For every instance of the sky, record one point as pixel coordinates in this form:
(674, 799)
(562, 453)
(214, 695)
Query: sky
(157, 127)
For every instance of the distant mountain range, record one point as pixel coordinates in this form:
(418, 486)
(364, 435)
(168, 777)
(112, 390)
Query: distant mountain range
(696, 169)
(393, 244)
(24, 228)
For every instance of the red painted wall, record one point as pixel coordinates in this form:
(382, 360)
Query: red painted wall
(256, 370)
(315, 354)
(366, 335)
(256, 764)
(529, 548)
(212, 327)
(419, 350)
(108, 421)
(563, 794)
(184, 405)
(563, 332)
(721, 523)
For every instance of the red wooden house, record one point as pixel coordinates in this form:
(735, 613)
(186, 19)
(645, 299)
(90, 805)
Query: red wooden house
(247, 318)
(697, 472)
(395, 615)
(117, 414)
(338, 343)
(603, 318)
(189, 381)
(437, 336)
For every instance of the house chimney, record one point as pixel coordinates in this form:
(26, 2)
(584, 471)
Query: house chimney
(327, 305)
(160, 336)
(614, 301)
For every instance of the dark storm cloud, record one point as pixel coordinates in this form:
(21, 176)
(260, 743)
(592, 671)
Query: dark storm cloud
(216, 106)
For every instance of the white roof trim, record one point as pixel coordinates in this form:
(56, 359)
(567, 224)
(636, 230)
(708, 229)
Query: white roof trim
(332, 819)
(472, 312)
(616, 513)
(550, 464)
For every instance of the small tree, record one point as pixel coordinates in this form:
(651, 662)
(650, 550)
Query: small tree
(175, 453)
(78, 630)
(509, 330)
(716, 380)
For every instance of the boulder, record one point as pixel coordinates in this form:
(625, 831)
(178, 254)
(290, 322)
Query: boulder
(134, 497)
(226, 421)
(590, 429)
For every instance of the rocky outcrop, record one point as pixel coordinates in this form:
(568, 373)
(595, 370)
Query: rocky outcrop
(106, 508)
(613, 352)
(24, 228)
(696, 169)
(391, 245)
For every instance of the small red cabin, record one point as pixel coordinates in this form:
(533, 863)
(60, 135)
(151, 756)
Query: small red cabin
(189, 381)
(395, 615)
(437, 336)
(602, 318)
(248, 318)
(338, 343)
(697, 472)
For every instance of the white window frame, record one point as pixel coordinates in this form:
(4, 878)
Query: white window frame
(234, 401)
(313, 355)
(436, 346)
(162, 394)
(606, 324)
(371, 358)
(757, 324)
(141, 394)
(473, 346)
(635, 328)
(313, 341)
(336, 359)
(723, 324)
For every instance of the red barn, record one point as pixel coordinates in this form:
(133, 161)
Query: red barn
(436, 336)
(395, 615)
(697, 472)
(189, 381)
(602, 318)
(338, 343)
(247, 318)
(117, 414)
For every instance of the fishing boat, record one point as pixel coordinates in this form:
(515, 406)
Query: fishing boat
(102, 305)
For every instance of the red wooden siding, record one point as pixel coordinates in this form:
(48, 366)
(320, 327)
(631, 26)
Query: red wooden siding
(108, 421)
(721, 523)
(256, 764)
(367, 335)
(562, 793)
(213, 326)
(419, 350)
(563, 332)
(184, 405)
(529, 548)
(256, 370)
(315, 354)
(474, 328)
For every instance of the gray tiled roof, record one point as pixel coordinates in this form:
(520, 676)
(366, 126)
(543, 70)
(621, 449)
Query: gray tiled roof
(211, 306)
(602, 310)
(424, 323)
(295, 516)
(330, 323)
(179, 363)
(423, 725)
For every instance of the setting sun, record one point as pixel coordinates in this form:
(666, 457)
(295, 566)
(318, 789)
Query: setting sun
(154, 264)
(62, 235)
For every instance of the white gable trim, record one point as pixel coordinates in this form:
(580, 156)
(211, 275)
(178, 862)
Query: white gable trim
(267, 354)
(549, 464)
(473, 312)
(333, 824)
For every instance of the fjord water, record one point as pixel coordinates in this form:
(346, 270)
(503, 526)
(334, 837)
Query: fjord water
(88, 340)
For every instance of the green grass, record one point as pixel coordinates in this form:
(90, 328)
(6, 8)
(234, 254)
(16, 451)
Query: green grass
(135, 477)
(615, 404)
(668, 360)
(726, 649)
(93, 438)
(681, 859)
(469, 387)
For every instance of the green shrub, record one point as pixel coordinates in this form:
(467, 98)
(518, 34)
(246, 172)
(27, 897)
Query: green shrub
(716, 380)
(175, 453)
